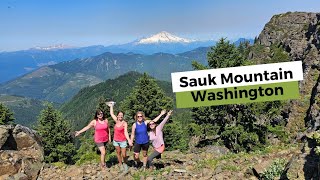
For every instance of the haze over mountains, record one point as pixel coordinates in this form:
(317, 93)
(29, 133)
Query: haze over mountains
(59, 82)
(18, 63)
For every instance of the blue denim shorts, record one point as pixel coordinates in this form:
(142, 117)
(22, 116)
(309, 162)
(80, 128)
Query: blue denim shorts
(122, 144)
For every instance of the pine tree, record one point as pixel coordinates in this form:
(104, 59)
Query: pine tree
(102, 105)
(6, 116)
(255, 40)
(56, 136)
(224, 54)
(235, 124)
(244, 48)
(148, 97)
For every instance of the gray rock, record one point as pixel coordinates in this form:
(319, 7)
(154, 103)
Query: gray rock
(298, 34)
(217, 150)
(4, 134)
(218, 170)
(21, 153)
(26, 137)
(20, 176)
(7, 177)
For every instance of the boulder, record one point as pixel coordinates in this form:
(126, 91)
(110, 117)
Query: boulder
(4, 134)
(26, 137)
(21, 152)
(217, 150)
(259, 168)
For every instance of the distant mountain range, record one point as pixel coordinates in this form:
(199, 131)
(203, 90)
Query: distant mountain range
(60, 82)
(18, 63)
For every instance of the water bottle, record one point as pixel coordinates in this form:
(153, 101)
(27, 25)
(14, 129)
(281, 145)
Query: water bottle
(112, 103)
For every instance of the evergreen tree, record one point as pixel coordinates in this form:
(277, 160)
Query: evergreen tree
(175, 136)
(255, 40)
(6, 116)
(102, 105)
(235, 124)
(224, 54)
(196, 65)
(244, 48)
(56, 136)
(148, 97)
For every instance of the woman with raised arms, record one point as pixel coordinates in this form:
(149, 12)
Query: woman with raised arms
(120, 137)
(156, 137)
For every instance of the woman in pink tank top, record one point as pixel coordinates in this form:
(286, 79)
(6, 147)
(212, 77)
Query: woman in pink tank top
(101, 133)
(120, 138)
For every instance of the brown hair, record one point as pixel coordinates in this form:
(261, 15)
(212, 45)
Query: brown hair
(154, 129)
(120, 112)
(98, 112)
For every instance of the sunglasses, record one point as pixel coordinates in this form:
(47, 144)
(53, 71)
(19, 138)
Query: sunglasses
(101, 113)
(152, 124)
(139, 116)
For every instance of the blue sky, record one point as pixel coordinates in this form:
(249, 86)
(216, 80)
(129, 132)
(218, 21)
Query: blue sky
(30, 23)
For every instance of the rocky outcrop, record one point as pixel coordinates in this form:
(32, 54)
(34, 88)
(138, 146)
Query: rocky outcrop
(298, 33)
(199, 165)
(21, 153)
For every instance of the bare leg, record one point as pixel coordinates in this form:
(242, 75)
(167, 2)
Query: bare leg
(125, 159)
(124, 155)
(103, 154)
(118, 150)
(145, 157)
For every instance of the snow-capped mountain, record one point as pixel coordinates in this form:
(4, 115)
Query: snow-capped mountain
(53, 47)
(161, 42)
(163, 37)
(21, 62)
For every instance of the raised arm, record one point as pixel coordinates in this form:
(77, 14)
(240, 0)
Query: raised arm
(114, 117)
(133, 131)
(126, 133)
(157, 118)
(91, 124)
(160, 126)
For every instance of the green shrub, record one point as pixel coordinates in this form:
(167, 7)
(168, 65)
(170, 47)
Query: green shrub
(274, 170)
(279, 131)
(316, 136)
(88, 157)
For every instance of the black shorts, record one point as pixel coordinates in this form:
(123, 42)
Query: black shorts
(137, 147)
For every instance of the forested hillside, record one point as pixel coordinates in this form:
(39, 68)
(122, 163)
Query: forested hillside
(80, 109)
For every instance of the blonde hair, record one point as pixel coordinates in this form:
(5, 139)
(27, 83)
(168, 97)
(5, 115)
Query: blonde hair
(139, 112)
